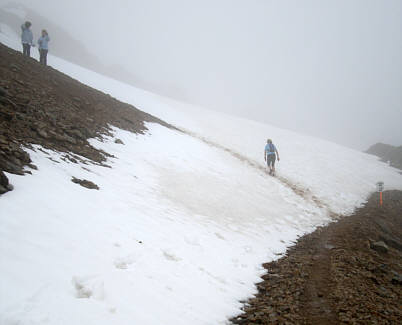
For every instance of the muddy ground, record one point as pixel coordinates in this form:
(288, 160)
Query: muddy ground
(347, 273)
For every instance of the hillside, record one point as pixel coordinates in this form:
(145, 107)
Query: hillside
(160, 211)
(347, 273)
(40, 105)
(387, 153)
(173, 220)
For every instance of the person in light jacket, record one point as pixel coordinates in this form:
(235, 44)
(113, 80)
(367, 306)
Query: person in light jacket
(270, 157)
(43, 47)
(26, 38)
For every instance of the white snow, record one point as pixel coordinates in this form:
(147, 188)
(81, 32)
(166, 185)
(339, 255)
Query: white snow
(15, 9)
(7, 31)
(181, 224)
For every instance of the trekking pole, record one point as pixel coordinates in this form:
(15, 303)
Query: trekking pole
(380, 188)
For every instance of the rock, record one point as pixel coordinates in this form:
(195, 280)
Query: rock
(63, 138)
(14, 67)
(3, 179)
(397, 279)
(3, 141)
(329, 246)
(391, 242)
(23, 99)
(32, 166)
(8, 116)
(43, 133)
(39, 125)
(69, 139)
(85, 183)
(379, 246)
(118, 141)
(3, 92)
(3, 190)
(5, 186)
(76, 133)
(382, 224)
(19, 116)
(22, 83)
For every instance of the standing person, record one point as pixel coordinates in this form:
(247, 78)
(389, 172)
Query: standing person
(43, 47)
(26, 38)
(270, 154)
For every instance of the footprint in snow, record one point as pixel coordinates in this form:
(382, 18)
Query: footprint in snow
(88, 287)
(123, 262)
(170, 256)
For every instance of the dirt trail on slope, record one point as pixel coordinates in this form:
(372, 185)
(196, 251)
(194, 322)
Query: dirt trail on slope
(349, 272)
(298, 190)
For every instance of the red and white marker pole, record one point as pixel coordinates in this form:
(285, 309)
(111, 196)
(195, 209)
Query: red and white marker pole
(380, 188)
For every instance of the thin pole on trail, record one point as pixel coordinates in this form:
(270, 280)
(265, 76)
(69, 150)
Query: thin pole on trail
(380, 188)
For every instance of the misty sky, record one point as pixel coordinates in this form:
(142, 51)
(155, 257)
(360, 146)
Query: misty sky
(331, 69)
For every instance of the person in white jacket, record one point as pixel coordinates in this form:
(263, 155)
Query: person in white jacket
(43, 47)
(26, 38)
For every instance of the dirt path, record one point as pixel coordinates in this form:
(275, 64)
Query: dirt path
(317, 288)
(339, 274)
(298, 190)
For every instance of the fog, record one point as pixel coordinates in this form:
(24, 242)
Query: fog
(331, 69)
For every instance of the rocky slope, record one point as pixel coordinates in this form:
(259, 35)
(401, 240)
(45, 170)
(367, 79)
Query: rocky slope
(387, 153)
(40, 105)
(347, 273)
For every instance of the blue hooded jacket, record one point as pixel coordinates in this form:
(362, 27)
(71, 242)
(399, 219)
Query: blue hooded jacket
(43, 42)
(26, 35)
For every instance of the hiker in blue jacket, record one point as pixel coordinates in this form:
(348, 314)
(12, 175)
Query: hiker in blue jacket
(43, 47)
(26, 38)
(270, 154)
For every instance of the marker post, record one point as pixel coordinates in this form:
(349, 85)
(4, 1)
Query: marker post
(380, 188)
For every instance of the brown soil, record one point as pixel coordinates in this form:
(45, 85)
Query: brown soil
(40, 105)
(335, 276)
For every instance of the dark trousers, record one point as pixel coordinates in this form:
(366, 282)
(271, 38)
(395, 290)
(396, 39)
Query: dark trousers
(43, 56)
(271, 160)
(26, 49)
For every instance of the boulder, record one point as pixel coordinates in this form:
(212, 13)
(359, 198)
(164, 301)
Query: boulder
(379, 247)
(2, 190)
(85, 183)
(76, 133)
(3, 92)
(118, 141)
(3, 179)
(43, 133)
(5, 186)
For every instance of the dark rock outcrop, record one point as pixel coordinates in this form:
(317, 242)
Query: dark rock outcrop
(379, 246)
(42, 106)
(5, 186)
(387, 153)
(85, 183)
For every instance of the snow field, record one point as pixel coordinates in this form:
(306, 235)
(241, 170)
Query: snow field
(175, 235)
(341, 178)
(179, 228)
